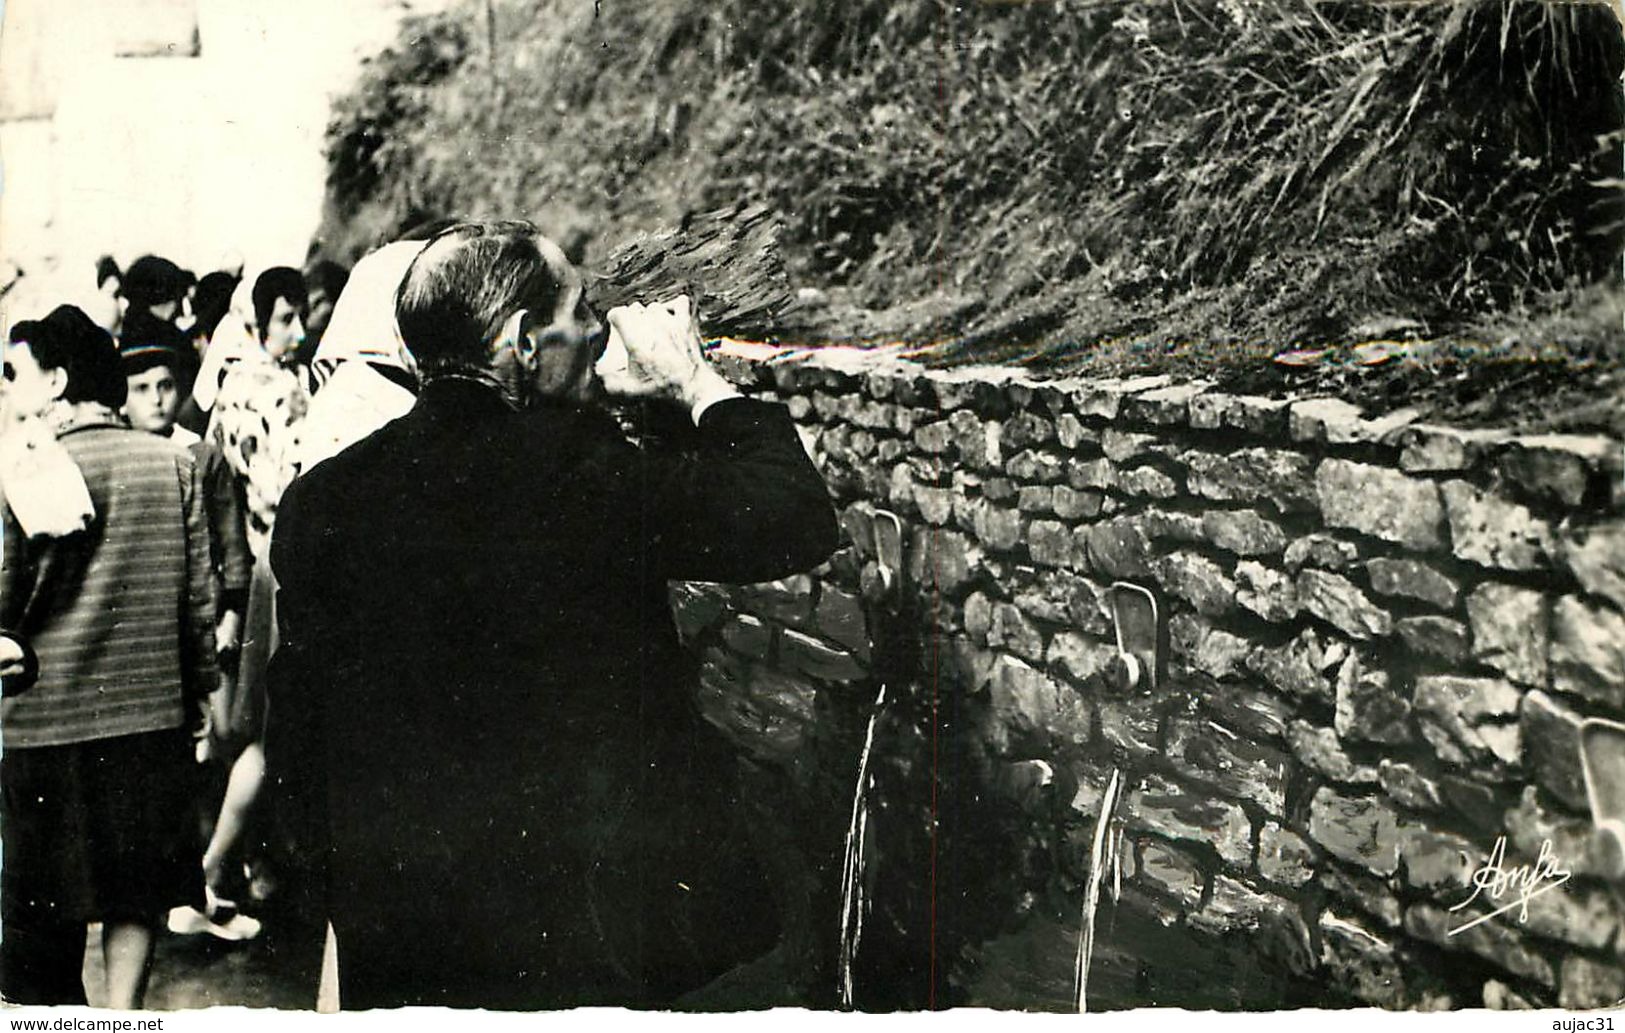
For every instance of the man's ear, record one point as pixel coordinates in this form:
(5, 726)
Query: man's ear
(58, 379)
(517, 335)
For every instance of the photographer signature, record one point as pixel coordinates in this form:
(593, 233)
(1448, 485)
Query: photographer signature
(1526, 881)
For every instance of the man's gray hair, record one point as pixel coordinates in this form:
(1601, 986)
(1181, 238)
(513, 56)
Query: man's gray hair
(464, 285)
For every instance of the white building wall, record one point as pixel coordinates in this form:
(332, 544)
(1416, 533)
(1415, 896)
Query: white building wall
(193, 157)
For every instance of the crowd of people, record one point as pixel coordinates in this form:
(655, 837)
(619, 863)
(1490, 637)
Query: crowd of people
(349, 579)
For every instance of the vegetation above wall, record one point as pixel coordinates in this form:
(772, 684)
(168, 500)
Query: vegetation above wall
(1194, 185)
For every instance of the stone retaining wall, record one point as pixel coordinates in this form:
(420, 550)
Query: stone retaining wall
(1380, 639)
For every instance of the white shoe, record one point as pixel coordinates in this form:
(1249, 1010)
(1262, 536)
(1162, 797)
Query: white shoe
(236, 928)
(187, 921)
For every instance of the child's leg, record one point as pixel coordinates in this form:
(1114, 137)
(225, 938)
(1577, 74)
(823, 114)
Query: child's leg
(127, 954)
(242, 790)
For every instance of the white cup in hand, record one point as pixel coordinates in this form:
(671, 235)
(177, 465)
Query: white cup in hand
(11, 657)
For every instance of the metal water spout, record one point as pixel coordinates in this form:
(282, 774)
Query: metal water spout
(1602, 760)
(1135, 621)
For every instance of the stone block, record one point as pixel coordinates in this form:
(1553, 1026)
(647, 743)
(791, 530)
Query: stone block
(1531, 824)
(818, 660)
(1025, 430)
(1588, 652)
(1243, 532)
(801, 409)
(1075, 504)
(1309, 420)
(900, 488)
(1165, 406)
(840, 618)
(1206, 411)
(1410, 579)
(1321, 550)
(1438, 861)
(1492, 532)
(1362, 962)
(1337, 601)
(1319, 750)
(1049, 543)
(1551, 748)
(1033, 467)
(1509, 627)
(1470, 721)
(968, 666)
(1500, 997)
(1192, 815)
(1171, 873)
(976, 443)
(1554, 469)
(1029, 706)
(1199, 581)
(1494, 943)
(1063, 598)
(1432, 449)
(1284, 856)
(936, 505)
(1251, 474)
(1000, 489)
(1070, 431)
(1012, 631)
(1596, 557)
(1172, 525)
(1268, 593)
(1147, 482)
(1201, 647)
(1209, 752)
(944, 562)
(1112, 549)
(1571, 914)
(1102, 398)
(1092, 475)
(1360, 830)
(1130, 727)
(1588, 983)
(1408, 786)
(748, 636)
(1335, 422)
(1080, 657)
(1253, 711)
(1381, 503)
(1272, 923)
(1122, 446)
(1437, 638)
(934, 438)
(1371, 896)
(978, 617)
(1297, 668)
(1265, 417)
(1370, 707)
(998, 528)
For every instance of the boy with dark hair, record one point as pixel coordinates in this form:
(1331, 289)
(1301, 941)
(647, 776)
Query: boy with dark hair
(153, 399)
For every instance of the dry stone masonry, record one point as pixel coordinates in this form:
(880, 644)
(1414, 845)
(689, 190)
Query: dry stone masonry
(1381, 637)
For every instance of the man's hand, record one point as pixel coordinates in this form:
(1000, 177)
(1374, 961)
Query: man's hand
(655, 352)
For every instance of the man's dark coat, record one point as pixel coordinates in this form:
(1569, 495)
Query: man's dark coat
(481, 705)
